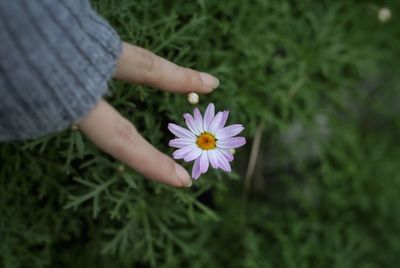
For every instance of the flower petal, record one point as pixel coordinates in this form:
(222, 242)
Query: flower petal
(191, 124)
(225, 115)
(181, 132)
(193, 155)
(182, 152)
(204, 162)
(180, 143)
(196, 169)
(208, 116)
(227, 154)
(198, 120)
(213, 157)
(229, 131)
(231, 143)
(213, 128)
(222, 162)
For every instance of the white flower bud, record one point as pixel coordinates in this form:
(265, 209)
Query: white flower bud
(384, 14)
(233, 151)
(193, 98)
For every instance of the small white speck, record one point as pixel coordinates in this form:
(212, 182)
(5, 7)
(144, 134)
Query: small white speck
(121, 168)
(384, 14)
(74, 127)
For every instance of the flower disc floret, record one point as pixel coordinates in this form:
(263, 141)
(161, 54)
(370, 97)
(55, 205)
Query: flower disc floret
(206, 141)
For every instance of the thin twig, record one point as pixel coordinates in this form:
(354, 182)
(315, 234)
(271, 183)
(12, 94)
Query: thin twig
(255, 148)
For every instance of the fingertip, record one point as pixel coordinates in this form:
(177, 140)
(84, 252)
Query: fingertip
(208, 80)
(183, 176)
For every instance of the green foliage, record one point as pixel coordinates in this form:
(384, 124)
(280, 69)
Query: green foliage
(319, 76)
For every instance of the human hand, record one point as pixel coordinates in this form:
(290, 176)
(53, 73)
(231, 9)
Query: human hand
(114, 134)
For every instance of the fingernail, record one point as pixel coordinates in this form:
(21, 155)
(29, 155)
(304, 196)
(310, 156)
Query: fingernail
(183, 176)
(209, 80)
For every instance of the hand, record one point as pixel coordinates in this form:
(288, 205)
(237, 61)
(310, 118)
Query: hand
(114, 134)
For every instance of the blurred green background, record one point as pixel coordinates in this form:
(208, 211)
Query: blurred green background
(317, 80)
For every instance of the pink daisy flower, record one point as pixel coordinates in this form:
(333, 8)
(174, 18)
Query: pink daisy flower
(207, 141)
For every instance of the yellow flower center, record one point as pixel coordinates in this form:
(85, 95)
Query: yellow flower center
(206, 141)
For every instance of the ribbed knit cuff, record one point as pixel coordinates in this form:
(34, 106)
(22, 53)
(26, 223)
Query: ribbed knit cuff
(56, 59)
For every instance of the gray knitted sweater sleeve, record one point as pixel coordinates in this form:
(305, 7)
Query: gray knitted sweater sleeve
(56, 57)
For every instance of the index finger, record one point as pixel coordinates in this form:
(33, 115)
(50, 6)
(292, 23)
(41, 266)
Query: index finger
(114, 134)
(138, 65)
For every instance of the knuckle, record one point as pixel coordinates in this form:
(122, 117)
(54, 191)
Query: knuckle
(126, 135)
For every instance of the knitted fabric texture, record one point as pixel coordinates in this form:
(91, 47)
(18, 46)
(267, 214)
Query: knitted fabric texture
(56, 58)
